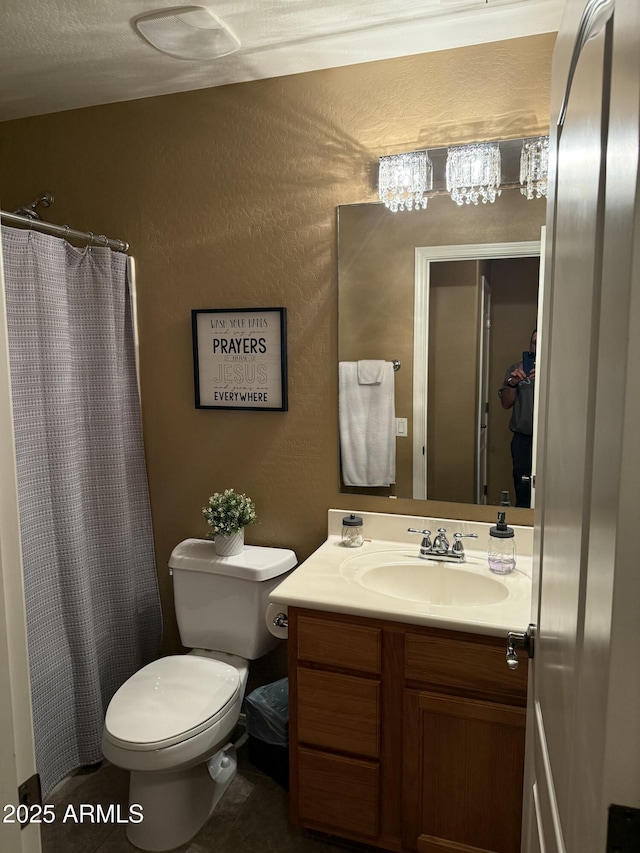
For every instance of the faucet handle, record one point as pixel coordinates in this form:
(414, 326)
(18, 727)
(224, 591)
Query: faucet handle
(458, 547)
(425, 546)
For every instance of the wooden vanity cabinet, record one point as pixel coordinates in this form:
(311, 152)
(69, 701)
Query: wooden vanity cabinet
(335, 714)
(405, 738)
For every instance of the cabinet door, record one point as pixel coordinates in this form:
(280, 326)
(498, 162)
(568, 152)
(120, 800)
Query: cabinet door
(462, 786)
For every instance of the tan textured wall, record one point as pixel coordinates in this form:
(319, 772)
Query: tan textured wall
(228, 198)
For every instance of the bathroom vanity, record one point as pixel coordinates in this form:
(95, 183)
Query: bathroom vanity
(407, 728)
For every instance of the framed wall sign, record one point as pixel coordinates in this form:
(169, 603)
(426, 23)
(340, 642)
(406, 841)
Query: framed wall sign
(240, 358)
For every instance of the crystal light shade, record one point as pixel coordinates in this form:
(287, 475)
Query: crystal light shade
(403, 180)
(474, 173)
(534, 167)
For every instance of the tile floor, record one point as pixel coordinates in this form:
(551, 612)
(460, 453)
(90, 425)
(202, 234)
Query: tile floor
(252, 817)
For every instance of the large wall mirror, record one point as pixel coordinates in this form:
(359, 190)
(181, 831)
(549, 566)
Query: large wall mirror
(451, 294)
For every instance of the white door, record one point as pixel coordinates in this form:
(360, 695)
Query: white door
(482, 438)
(17, 760)
(540, 356)
(583, 724)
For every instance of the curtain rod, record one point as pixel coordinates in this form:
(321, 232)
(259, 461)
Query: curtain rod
(64, 231)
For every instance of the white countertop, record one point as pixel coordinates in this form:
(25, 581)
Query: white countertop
(328, 581)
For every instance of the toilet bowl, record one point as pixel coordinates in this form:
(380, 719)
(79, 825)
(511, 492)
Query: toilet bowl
(170, 724)
(173, 711)
(163, 725)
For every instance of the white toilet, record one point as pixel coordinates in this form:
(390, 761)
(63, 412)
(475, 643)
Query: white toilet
(170, 723)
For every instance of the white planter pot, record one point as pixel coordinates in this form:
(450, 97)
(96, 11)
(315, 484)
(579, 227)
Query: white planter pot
(229, 546)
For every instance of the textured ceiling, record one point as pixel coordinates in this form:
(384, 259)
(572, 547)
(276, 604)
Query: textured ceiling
(62, 54)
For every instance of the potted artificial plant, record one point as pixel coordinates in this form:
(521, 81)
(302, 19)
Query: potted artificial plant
(227, 514)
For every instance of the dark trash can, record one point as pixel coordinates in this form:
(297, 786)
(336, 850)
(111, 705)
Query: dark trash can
(267, 710)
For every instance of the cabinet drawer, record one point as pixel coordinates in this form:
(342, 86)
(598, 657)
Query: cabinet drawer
(339, 793)
(339, 644)
(456, 664)
(340, 712)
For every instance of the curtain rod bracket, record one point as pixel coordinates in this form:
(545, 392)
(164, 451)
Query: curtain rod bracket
(30, 210)
(30, 217)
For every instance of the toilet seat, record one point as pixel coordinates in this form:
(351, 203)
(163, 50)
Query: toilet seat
(170, 700)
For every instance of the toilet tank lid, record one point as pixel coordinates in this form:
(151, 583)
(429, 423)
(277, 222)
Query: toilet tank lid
(255, 563)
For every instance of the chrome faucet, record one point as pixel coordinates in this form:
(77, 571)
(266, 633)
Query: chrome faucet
(440, 550)
(441, 543)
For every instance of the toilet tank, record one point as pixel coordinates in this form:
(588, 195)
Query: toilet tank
(220, 602)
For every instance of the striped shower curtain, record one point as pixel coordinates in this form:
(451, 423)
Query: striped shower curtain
(93, 611)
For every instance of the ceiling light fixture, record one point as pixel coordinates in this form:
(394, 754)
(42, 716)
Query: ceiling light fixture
(534, 167)
(403, 180)
(474, 173)
(187, 32)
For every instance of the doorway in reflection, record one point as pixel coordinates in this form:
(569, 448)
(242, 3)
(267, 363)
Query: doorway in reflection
(480, 316)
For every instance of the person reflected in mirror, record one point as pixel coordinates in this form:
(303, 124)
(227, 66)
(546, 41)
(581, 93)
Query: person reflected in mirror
(516, 393)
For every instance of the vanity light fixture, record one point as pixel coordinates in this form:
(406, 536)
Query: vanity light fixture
(403, 180)
(474, 172)
(534, 167)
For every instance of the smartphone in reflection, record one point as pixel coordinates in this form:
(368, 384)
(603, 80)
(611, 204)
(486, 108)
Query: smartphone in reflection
(528, 362)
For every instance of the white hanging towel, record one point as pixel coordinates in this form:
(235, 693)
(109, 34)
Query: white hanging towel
(370, 372)
(367, 426)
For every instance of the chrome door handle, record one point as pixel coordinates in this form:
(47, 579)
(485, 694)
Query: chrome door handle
(519, 640)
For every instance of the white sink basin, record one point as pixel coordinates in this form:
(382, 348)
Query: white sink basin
(425, 581)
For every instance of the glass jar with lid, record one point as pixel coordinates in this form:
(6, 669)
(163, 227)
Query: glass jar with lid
(352, 531)
(502, 550)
